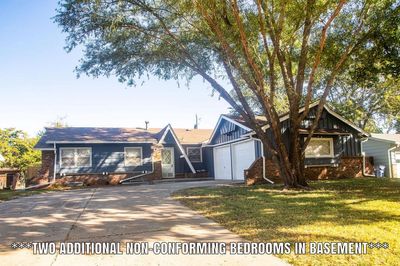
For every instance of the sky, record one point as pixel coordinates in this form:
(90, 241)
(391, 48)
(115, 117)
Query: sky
(38, 84)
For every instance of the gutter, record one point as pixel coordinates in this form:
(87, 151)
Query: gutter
(262, 149)
(228, 142)
(134, 177)
(137, 176)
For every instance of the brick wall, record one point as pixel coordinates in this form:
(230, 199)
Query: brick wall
(45, 173)
(349, 167)
(93, 179)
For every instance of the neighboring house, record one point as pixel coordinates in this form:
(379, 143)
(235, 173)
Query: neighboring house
(7, 177)
(231, 151)
(110, 155)
(385, 148)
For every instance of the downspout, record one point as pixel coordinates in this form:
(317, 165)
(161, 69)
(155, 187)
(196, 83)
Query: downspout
(363, 165)
(55, 164)
(263, 158)
(390, 160)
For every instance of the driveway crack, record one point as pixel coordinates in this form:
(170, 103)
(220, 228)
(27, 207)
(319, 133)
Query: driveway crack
(75, 221)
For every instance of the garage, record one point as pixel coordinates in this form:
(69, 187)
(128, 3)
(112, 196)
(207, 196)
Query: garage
(243, 155)
(231, 160)
(222, 163)
(233, 150)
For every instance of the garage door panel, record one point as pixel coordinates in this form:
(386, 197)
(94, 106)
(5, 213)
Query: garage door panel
(222, 163)
(243, 155)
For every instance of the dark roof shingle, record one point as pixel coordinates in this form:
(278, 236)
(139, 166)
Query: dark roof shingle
(109, 135)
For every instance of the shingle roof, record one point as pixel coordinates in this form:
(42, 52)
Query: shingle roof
(105, 135)
(186, 136)
(192, 136)
(388, 137)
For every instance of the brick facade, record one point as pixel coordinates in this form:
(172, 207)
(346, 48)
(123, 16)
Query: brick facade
(348, 167)
(45, 173)
(93, 179)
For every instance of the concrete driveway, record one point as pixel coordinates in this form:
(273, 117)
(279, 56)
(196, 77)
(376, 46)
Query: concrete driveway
(113, 214)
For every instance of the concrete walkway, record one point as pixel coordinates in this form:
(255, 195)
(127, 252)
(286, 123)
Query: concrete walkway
(113, 214)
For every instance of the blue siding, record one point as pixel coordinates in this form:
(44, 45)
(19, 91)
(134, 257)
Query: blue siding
(208, 160)
(181, 166)
(344, 145)
(108, 158)
(221, 137)
(198, 166)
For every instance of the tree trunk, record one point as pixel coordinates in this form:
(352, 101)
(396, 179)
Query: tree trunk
(291, 168)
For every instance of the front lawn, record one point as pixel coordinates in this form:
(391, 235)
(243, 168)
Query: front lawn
(6, 194)
(351, 210)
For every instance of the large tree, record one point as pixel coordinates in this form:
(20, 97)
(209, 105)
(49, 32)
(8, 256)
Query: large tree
(259, 46)
(368, 91)
(16, 147)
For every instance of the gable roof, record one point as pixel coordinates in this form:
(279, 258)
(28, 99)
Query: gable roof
(233, 119)
(285, 117)
(393, 138)
(167, 129)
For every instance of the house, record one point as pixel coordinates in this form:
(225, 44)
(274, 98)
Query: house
(231, 151)
(7, 177)
(112, 155)
(333, 152)
(385, 148)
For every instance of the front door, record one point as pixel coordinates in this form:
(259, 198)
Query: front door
(168, 162)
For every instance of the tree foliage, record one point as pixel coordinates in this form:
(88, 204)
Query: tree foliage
(17, 149)
(368, 90)
(262, 48)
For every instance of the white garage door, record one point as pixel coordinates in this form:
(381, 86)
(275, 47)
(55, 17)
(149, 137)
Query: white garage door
(243, 155)
(222, 163)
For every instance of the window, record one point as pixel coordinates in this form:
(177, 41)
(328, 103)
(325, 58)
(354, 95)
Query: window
(194, 154)
(76, 157)
(320, 148)
(133, 156)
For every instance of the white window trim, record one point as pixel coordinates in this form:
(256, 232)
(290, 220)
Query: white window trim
(75, 148)
(141, 156)
(201, 155)
(331, 154)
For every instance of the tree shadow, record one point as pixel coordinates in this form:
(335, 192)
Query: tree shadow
(107, 214)
(265, 213)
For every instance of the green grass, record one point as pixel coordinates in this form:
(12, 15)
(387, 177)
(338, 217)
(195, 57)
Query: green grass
(351, 210)
(7, 194)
